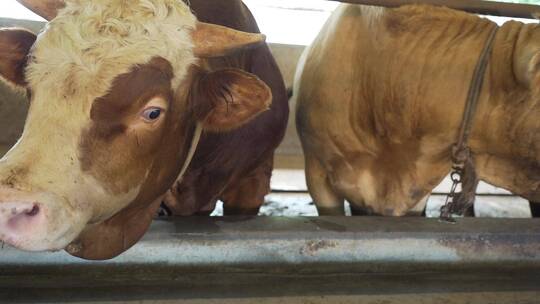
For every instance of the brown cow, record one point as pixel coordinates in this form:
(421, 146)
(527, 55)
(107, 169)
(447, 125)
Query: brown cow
(120, 92)
(380, 98)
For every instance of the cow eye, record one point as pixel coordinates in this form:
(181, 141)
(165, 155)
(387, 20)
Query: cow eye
(151, 114)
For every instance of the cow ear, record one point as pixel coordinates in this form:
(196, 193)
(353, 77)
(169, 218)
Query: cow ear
(15, 45)
(213, 40)
(227, 99)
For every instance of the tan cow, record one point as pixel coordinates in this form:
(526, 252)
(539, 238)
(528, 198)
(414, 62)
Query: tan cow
(120, 93)
(380, 98)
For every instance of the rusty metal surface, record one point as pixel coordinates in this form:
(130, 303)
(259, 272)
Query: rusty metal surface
(248, 257)
(491, 8)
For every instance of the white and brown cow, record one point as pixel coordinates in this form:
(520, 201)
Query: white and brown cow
(120, 92)
(380, 99)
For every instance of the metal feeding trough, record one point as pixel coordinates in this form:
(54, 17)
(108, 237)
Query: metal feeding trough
(290, 257)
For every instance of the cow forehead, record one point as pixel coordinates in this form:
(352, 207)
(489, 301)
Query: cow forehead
(90, 43)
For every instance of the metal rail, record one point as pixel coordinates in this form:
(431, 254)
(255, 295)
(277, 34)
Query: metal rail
(492, 8)
(261, 256)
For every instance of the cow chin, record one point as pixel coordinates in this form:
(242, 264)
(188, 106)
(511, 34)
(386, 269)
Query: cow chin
(38, 221)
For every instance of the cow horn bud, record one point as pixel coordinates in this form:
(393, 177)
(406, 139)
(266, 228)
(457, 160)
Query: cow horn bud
(44, 8)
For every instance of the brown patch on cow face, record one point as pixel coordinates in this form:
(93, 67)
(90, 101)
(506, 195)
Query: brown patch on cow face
(116, 234)
(15, 44)
(117, 148)
(116, 162)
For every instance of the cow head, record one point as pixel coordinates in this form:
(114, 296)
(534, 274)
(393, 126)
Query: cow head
(117, 90)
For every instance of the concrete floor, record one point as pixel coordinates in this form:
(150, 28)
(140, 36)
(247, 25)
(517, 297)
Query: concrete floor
(301, 204)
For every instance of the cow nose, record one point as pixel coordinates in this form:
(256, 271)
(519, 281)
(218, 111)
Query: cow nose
(38, 221)
(16, 215)
(19, 220)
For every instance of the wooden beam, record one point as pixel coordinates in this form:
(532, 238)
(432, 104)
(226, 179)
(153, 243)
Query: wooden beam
(492, 8)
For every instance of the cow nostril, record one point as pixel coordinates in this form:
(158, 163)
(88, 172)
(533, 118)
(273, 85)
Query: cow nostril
(33, 212)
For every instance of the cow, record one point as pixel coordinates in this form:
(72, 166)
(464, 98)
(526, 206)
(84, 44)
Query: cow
(380, 98)
(135, 104)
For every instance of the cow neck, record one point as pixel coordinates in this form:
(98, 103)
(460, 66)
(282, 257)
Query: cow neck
(193, 147)
(463, 171)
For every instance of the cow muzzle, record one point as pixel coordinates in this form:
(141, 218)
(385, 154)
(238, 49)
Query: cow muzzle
(37, 221)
